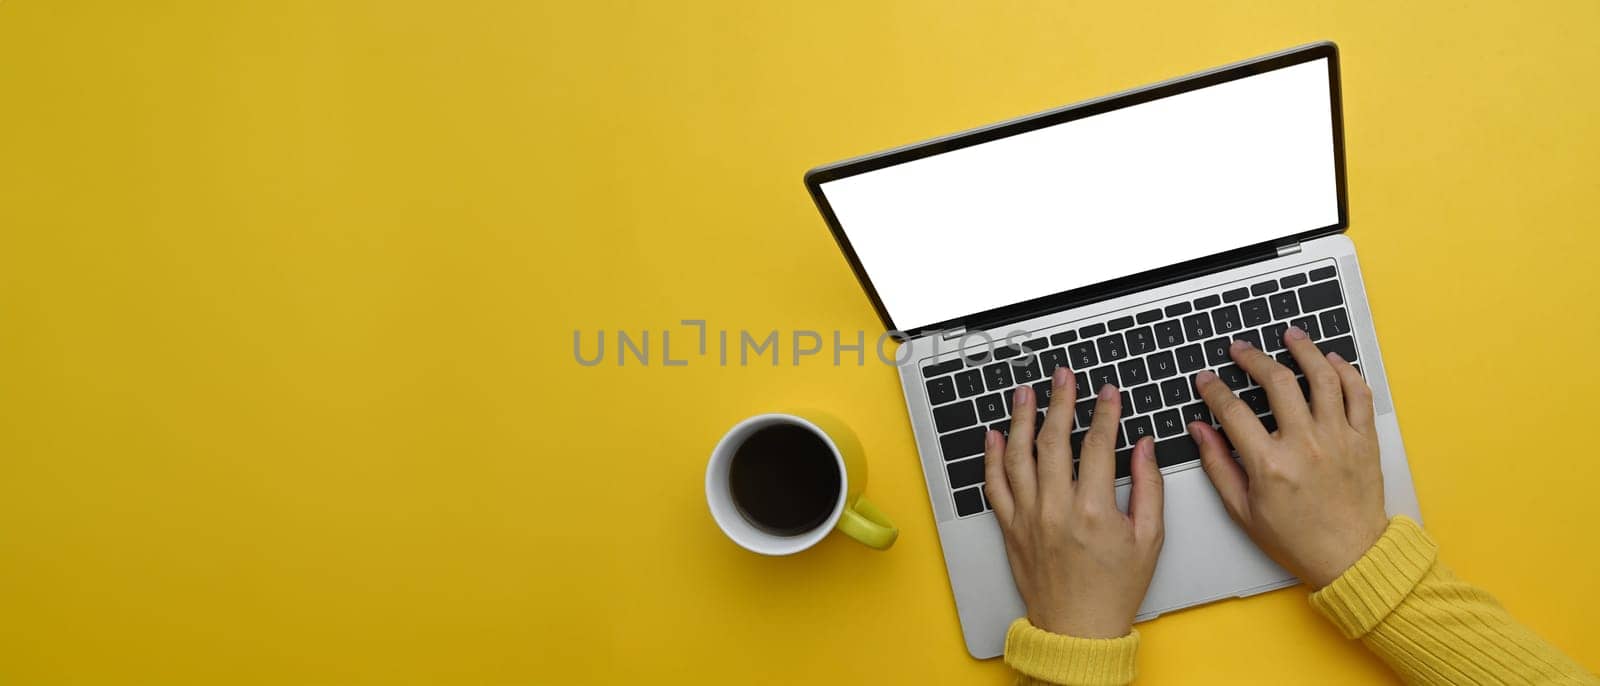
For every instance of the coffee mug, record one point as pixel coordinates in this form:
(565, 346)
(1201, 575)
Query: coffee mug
(779, 483)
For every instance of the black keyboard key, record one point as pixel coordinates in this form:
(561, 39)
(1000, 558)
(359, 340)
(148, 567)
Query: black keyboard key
(1082, 355)
(1357, 367)
(1272, 336)
(997, 376)
(1225, 320)
(954, 416)
(1084, 390)
(1063, 338)
(1006, 352)
(1052, 358)
(1177, 309)
(1235, 377)
(1027, 372)
(1190, 358)
(1283, 305)
(1305, 387)
(1092, 330)
(1207, 302)
(1169, 333)
(1335, 323)
(1217, 351)
(1235, 295)
(1252, 337)
(1102, 376)
(963, 443)
(968, 502)
(1293, 280)
(1198, 412)
(1148, 316)
(1035, 344)
(1256, 312)
(1162, 365)
(1168, 423)
(1147, 398)
(1197, 327)
(1286, 359)
(980, 358)
(1256, 398)
(1075, 442)
(1137, 428)
(1112, 348)
(1119, 323)
(1140, 340)
(1132, 372)
(941, 368)
(1308, 325)
(1344, 345)
(1085, 412)
(1264, 288)
(1269, 422)
(941, 390)
(991, 407)
(1320, 296)
(1175, 392)
(1124, 460)
(1042, 392)
(1003, 427)
(1321, 273)
(965, 473)
(969, 383)
(1127, 404)
(1176, 451)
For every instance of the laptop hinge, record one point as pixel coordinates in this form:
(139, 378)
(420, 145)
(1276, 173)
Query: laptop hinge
(952, 334)
(1290, 249)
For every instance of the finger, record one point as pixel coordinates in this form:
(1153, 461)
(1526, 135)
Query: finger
(1357, 394)
(1225, 474)
(1145, 502)
(1240, 421)
(995, 485)
(1327, 399)
(1019, 449)
(1283, 392)
(1097, 464)
(1054, 449)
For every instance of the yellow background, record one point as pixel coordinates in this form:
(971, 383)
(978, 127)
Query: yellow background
(288, 291)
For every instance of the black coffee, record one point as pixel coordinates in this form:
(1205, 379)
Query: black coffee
(785, 480)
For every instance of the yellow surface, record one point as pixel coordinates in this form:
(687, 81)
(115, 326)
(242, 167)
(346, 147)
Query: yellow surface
(288, 290)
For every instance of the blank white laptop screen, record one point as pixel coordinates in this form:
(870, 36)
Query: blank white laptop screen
(1094, 199)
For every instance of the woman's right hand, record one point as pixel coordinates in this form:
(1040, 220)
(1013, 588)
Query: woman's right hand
(1311, 493)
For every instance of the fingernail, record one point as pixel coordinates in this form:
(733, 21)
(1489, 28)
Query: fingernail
(1294, 334)
(1241, 344)
(1020, 395)
(1059, 378)
(1336, 357)
(1108, 392)
(1205, 377)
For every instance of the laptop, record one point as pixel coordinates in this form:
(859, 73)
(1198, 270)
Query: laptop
(1130, 238)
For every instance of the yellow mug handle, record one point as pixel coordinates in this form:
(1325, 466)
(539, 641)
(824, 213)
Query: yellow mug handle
(864, 522)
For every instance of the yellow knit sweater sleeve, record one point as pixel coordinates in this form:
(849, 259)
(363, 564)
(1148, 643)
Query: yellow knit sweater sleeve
(1429, 626)
(1041, 657)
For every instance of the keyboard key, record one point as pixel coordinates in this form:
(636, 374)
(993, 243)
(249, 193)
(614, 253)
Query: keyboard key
(1256, 312)
(1308, 325)
(1132, 372)
(1217, 351)
(1063, 338)
(1264, 288)
(1335, 323)
(1028, 372)
(1148, 316)
(965, 473)
(941, 368)
(1006, 352)
(1269, 422)
(980, 358)
(1084, 412)
(1052, 358)
(1293, 280)
(968, 502)
(1112, 348)
(1119, 323)
(1344, 345)
(1286, 359)
(1092, 330)
(1190, 358)
(997, 376)
(1272, 336)
(1175, 392)
(1084, 389)
(991, 407)
(1127, 404)
(941, 390)
(1168, 423)
(1207, 302)
(969, 383)
(1256, 398)
(962, 443)
(1003, 427)
(1177, 309)
(1176, 451)
(1321, 273)
(1283, 305)
(1124, 461)
(1035, 344)
(1235, 377)
(1162, 365)
(1320, 296)
(1169, 333)
(1235, 295)
(1102, 376)
(1197, 327)
(1252, 337)
(1140, 340)
(1147, 398)
(1075, 442)
(1305, 387)
(1137, 428)
(954, 416)
(1225, 319)
(1042, 392)
(1198, 412)
(1082, 355)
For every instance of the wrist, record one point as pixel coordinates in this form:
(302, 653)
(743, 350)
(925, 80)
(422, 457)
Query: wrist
(1360, 540)
(1080, 625)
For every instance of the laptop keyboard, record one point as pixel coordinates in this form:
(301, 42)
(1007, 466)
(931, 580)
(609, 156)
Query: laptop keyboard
(1152, 353)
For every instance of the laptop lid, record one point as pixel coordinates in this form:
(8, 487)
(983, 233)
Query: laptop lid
(1095, 199)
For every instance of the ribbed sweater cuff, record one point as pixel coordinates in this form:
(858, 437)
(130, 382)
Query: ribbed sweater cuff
(1374, 586)
(1069, 660)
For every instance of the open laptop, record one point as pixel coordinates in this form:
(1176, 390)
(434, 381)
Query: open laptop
(1130, 238)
